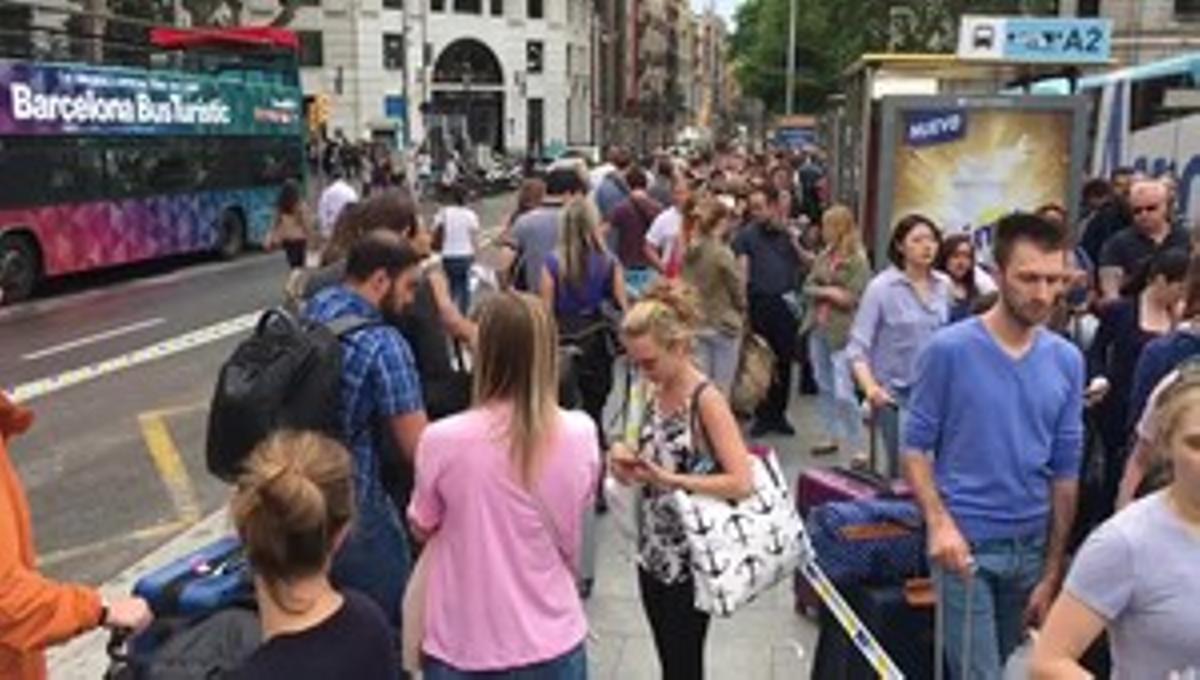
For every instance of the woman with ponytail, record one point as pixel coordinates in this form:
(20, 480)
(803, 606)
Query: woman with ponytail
(292, 510)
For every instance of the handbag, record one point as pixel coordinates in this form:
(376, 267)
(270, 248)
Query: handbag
(412, 633)
(625, 500)
(756, 370)
(741, 548)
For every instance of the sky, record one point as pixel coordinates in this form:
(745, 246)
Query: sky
(724, 7)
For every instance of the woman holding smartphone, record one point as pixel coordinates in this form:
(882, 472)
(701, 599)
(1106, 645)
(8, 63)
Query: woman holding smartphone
(688, 440)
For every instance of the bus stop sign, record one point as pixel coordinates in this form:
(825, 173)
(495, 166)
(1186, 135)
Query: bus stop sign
(1035, 40)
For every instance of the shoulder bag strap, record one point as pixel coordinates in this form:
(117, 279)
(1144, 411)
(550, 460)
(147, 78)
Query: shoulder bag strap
(555, 534)
(696, 423)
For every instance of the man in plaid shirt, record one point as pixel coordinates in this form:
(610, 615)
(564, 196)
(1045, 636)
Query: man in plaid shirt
(381, 397)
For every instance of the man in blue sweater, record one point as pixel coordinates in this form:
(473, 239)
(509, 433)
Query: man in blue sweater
(992, 450)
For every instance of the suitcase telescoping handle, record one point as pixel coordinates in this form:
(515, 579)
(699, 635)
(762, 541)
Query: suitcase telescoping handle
(939, 625)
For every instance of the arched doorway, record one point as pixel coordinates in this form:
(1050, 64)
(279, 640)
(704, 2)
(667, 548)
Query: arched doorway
(468, 92)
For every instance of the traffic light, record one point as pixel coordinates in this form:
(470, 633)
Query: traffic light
(318, 112)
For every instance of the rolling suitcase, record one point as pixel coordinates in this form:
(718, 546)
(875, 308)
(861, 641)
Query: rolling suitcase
(204, 610)
(904, 631)
(817, 486)
(213, 577)
(820, 485)
(838, 610)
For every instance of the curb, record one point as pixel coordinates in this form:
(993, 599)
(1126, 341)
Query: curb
(85, 657)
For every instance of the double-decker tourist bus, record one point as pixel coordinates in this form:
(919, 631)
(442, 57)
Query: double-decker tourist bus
(183, 152)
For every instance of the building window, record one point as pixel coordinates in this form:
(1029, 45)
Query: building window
(535, 9)
(438, 5)
(468, 6)
(534, 56)
(393, 51)
(309, 3)
(497, 8)
(1188, 8)
(394, 4)
(312, 48)
(1089, 8)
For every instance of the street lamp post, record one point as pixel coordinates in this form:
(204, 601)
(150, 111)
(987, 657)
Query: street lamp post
(791, 59)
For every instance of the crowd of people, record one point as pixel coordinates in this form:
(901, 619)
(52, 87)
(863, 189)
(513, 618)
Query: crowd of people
(1028, 395)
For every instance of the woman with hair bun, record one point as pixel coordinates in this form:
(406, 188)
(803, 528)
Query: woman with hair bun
(688, 440)
(292, 510)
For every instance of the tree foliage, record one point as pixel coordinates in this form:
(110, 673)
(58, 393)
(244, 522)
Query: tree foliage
(832, 34)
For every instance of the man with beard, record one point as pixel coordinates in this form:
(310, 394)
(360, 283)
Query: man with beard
(992, 450)
(380, 397)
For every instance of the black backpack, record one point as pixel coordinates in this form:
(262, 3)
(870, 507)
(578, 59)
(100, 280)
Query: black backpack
(287, 375)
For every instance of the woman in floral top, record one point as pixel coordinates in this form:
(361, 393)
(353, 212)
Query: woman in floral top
(837, 280)
(689, 440)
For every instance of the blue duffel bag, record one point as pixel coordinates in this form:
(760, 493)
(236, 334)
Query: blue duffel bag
(869, 542)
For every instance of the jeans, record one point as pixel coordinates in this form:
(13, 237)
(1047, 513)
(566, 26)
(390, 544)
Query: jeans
(1007, 570)
(890, 422)
(679, 628)
(717, 355)
(773, 320)
(570, 666)
(458, 274)
(835, 393)
(375, 560)
(638, 280)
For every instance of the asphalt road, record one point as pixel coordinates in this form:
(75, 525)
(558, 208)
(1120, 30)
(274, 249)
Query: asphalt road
(114, 466)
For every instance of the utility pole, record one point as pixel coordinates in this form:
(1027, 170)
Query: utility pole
(791, 59)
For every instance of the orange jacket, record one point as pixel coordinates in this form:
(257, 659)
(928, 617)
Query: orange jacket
(34, 612)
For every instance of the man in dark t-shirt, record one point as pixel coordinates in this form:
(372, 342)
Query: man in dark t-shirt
(770, 257)
(1125, 253)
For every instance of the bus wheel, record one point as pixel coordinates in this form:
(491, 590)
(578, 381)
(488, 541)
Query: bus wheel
(233, 234)
(20, 268)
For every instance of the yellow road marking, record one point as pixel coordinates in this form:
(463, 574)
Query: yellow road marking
(171, 469)
(106, 544)
(170, 465)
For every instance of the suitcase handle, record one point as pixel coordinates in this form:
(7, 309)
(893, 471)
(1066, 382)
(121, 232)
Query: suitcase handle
(939, 622)
(116, 645)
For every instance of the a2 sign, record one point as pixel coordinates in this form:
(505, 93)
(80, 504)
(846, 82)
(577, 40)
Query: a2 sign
(1024, 39)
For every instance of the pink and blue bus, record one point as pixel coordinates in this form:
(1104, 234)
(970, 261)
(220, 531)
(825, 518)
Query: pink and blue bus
(102, 166)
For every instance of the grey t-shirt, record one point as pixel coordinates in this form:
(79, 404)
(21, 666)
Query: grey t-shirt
(1141, 572)
(536, 234)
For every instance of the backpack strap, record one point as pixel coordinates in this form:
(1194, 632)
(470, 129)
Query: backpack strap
(345, 326)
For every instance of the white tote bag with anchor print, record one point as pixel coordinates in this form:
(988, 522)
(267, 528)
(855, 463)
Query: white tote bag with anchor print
(742, 548)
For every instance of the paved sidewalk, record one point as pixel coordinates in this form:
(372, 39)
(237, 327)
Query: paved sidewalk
(764, 641)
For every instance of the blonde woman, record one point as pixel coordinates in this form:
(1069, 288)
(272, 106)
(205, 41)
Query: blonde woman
(580, 283)
(503, 487)
(689, 440)
(711, 268)
(1138, 575)
(292, 510)
(839, 275)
